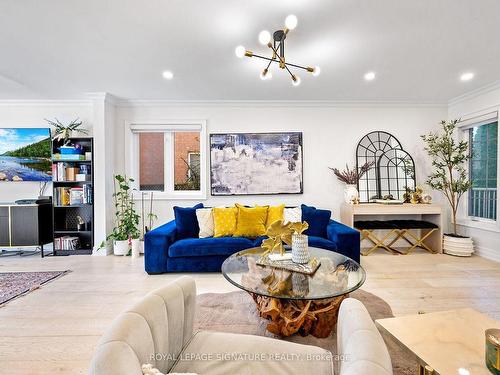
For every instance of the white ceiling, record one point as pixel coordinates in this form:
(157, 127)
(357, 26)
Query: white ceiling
(63, 48)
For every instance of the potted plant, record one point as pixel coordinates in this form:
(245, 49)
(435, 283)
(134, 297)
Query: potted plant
(64, 132)
(449, 158)
(351, 176)
(127, 220)
(150, 217)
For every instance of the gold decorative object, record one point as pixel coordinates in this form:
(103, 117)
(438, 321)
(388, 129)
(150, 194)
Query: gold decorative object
(493, 350)
(279, 233)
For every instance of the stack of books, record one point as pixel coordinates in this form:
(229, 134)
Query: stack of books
(68, 157)
(66, 243)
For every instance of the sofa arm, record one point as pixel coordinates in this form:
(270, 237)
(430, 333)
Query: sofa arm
(156, 244)
(345, 238)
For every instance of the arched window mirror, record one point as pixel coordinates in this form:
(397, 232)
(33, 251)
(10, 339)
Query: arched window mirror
(369, 149)
(396, 171)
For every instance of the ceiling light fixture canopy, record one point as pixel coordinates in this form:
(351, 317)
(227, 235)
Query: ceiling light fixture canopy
(276, 44)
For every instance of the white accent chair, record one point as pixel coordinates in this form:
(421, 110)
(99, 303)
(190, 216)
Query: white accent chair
(159, 330)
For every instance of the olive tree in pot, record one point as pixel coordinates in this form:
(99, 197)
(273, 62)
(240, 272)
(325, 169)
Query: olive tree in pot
(449, 158)
(126, 219)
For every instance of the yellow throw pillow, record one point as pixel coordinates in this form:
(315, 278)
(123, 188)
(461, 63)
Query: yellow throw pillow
(251, 221)
(274, 213)
(224, 221)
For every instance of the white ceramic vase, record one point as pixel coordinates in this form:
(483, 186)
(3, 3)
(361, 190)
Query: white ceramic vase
(136, 248)
(120, 247)
(300, 250)
(458, 246)
(351, 194)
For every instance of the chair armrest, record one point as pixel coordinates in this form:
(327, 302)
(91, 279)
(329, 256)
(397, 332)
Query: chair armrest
(156, 244)
(345, 238)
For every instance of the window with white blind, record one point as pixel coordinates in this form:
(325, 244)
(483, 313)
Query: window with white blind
(167, 158)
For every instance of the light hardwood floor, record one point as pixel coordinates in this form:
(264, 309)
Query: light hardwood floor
(54, 329)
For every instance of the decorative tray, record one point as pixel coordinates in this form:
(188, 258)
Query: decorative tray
(308, 268)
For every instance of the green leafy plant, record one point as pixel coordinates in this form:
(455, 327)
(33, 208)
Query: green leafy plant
(449, 158)
(63, 132)
(149, 216)
(126, 218)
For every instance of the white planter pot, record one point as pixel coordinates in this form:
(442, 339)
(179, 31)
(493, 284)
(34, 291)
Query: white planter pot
(300, 250)
(351, 194)
(136, 248)
(141, 248)
(120, 247)
(458, 246)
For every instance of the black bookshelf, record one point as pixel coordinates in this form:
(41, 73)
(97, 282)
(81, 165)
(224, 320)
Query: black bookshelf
(72, 199)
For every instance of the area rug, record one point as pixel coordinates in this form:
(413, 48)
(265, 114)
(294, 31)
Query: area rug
(15, 284)
(236, 312)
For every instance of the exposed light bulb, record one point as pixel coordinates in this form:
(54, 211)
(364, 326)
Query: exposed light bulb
(467, 76)
(291, 22)
(316, 71)
(167, 74)
(239, 51)
(370, 76)
(296, 80)
(265, 75)
(264, 37)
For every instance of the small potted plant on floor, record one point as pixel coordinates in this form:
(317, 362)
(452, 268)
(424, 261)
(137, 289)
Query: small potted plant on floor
(449, 158)
(125, 232)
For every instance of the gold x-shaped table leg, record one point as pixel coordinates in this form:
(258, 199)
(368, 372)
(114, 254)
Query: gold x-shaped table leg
(377, 243)
(419, 242)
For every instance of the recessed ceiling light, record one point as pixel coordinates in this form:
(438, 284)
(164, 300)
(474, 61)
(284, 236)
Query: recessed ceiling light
(466, 76)
(167, 74)
(370, 76)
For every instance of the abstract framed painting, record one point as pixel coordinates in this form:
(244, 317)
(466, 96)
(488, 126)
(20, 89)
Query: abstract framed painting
(256, 163)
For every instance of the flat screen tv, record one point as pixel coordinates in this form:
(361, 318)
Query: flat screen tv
(25, 154)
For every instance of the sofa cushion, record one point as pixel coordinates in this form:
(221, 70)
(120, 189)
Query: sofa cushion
(274, 213)
(317, 219)
(322, 243)
(205, 219)
(231, 353)
(186, 222)
(224, 221)
(192, 247)
(292, 214)
(251, 221)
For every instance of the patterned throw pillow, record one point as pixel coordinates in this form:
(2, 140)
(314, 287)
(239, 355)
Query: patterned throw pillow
(206, 222)
(251, 221)
(274, 213)
(224, 221)
(292, 215)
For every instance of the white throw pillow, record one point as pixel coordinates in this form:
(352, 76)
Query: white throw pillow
(292, 215)
(206, 222)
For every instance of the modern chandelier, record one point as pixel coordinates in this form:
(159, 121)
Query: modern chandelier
(278, 52)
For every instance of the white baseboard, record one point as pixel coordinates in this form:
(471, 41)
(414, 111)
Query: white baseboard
(488, 253)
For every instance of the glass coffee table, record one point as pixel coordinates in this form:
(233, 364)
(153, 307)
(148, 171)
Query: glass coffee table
(295, 302)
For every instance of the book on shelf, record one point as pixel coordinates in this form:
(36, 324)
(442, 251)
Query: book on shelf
(66, 243)
(68, 157)
(65, 196)
(63, 171)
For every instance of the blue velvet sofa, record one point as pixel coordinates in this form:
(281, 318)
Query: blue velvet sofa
(165, 252)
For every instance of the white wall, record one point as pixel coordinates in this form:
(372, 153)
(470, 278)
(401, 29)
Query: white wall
(468, 106)
(330, 136)
(32, 114)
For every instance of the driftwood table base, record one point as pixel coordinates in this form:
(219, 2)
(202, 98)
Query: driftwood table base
(287, 317)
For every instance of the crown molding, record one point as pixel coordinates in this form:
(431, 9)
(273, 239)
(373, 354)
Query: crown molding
(474, 93)
(278, 103)
(102, 96)
(45, 102)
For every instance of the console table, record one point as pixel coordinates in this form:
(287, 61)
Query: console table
(25, 225)
(370, 211)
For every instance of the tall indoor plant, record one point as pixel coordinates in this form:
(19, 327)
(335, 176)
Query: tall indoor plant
(449, 176)
(126, 218)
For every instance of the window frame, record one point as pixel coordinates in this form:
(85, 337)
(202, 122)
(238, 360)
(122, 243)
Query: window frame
(463, 217)
(167, 127)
